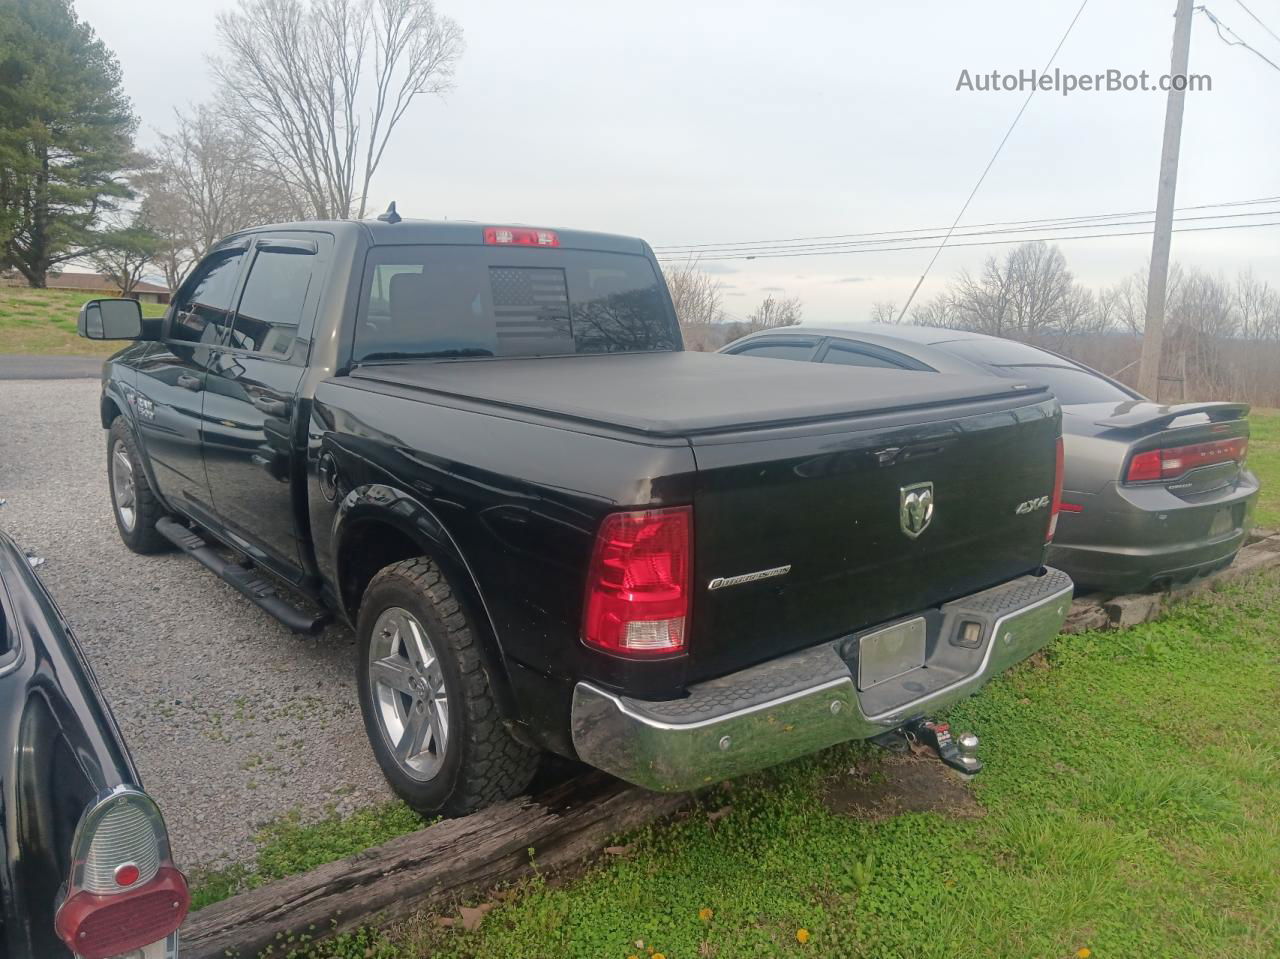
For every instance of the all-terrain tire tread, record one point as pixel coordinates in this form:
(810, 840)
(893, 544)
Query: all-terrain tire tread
(148, 509)
(494, 765)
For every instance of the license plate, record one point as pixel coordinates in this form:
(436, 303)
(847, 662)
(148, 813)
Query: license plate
(1223, 523)
(890, 652)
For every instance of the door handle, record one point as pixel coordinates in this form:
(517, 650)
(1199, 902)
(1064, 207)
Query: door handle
(189, 382)
(269, 406)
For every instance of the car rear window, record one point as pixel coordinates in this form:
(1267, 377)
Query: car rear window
(1070, 384)
(487, 301)
(992, 351)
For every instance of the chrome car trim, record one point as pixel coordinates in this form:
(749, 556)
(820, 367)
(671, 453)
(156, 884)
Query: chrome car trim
(790, 706)
(981, 674)
(720, 582)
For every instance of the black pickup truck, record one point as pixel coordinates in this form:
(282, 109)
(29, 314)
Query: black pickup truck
(554, 529)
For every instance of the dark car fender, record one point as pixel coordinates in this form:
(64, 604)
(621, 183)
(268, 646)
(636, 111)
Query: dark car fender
(378, 505)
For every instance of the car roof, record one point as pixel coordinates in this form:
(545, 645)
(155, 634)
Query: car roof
(453, 232)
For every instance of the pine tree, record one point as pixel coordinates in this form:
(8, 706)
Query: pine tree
(66, 136)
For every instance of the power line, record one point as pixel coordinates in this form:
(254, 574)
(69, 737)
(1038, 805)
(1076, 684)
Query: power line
(1257, 20)
(1219, 26)
(831, 246)
(670, 248)
(990, 163)
(1039, 239)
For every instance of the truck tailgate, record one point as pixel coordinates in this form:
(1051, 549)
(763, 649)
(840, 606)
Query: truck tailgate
(825, 504)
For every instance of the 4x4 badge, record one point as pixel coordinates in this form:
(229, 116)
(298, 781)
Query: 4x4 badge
(915, 510)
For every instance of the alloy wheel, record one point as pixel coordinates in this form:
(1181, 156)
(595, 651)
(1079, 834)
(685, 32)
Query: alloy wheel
(406, 686)
(124, 491)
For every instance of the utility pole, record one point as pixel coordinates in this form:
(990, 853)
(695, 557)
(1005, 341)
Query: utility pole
(1158, 282)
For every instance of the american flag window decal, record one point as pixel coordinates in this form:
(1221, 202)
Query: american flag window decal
(531, 303)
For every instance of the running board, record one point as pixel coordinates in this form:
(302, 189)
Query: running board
(255, 587)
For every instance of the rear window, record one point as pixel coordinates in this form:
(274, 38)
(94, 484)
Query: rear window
(495, 301)
(992, 351)
(1071, 385)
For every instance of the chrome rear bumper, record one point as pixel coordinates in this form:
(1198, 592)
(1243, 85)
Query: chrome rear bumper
(809, 700)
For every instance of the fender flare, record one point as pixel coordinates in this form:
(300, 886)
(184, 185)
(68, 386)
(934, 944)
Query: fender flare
(120, 398)
(391, 506)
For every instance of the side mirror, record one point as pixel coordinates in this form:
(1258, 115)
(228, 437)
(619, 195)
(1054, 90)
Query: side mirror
(110, 320)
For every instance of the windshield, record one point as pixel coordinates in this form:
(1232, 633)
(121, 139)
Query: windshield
(476, 301)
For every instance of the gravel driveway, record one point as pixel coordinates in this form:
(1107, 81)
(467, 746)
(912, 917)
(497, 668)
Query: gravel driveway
(232, 719)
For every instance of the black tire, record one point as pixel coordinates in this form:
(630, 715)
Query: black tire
(481, 763)
(141, 536)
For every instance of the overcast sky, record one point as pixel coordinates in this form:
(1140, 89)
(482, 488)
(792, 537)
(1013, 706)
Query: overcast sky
(708, 122)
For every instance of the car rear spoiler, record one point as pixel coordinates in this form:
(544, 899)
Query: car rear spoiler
(1164, 415)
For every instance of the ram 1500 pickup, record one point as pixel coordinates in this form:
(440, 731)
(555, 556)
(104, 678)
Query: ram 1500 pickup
(554, 529)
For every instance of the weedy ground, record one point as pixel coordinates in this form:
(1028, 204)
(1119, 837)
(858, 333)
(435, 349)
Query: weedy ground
(44, 322)
(1128, 809)
(1264, 459)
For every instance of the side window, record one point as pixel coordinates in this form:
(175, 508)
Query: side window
(204, 302)
(851, 356)
(271, 305)
(790, 350)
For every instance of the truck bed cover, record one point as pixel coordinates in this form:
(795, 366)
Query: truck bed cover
(688, 393)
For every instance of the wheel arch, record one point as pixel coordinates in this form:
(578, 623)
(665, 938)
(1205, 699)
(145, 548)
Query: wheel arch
(378, 525)
(109, 408)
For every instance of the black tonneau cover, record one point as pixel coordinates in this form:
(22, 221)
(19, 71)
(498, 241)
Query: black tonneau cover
(688, 393)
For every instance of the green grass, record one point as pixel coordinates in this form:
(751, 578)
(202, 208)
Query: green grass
(1264, 459)
(44, 322)
(1131, 791)
(289, 846)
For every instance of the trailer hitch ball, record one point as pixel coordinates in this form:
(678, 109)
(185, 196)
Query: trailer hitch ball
(959, 752)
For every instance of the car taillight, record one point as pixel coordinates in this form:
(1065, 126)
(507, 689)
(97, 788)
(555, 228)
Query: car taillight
(1173, 462)
(519, 236)
(638, 583)
(124, 893)
(1055, 506)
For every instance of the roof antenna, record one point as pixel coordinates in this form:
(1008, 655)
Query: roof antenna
(391, 216)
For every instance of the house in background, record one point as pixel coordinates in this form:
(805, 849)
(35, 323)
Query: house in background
(93, 284)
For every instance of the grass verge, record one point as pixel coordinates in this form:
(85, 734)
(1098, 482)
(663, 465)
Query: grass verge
(44, 322)
(288, 846)
(1130, 799)
(1264, 459)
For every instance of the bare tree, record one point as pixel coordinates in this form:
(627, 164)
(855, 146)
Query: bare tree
(695, 294)
(1257, 307)
(321, 85)
(884, 311)
(773, 313)
(204, 184)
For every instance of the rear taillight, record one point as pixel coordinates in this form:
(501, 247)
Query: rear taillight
(124, 893)
(519, 236)
(1055, 506)
(1176, 460)
(638, 583)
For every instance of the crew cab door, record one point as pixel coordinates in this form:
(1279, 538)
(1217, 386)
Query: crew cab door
(171, 378)
(251, 396)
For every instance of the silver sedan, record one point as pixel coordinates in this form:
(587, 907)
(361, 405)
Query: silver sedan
(1153, 495)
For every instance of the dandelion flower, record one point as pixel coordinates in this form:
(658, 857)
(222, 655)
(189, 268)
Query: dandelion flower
(802, 936)
(1084, 952)
(705, 914)
(658, 955)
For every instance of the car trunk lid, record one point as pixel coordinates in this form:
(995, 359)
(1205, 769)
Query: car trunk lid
(1192, 449)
